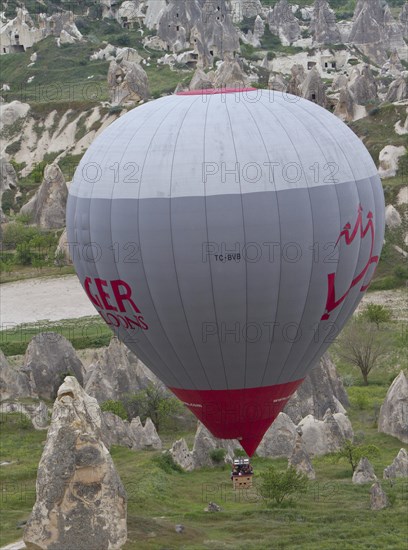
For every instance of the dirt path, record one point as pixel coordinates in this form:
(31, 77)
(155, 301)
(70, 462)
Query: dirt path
(59, 298)
(49, 299)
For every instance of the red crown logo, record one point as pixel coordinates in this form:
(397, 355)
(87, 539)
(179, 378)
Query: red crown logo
(332, 302)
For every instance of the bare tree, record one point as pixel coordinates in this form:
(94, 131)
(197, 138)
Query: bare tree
(362, 346)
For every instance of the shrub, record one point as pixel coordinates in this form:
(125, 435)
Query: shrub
(353, 453)
(115, 110)
(361, 401)
(7, 200)
(239, 453)
(376, 313)
(17, 233)
(401, 272)
(123, 40)
(115, 407)
(276, 486)
(218, 455)
(24, 255)
(24, 422)
(166, 463)
(13, 148)
(348, 380)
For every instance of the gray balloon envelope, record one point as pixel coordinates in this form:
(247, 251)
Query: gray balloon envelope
(226, 238)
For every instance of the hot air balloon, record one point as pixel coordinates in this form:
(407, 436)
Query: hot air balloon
(226, 236)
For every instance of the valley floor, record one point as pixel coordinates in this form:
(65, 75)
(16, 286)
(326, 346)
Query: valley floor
(54, 299)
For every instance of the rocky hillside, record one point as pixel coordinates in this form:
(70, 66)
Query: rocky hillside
(70, 69)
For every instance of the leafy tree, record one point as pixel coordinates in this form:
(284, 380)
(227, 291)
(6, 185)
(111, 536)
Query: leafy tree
(7, 264)
(59, 259)
(376, 313)
(275, 486)
(115, 407)
(38, 263)
(23, 254)
(17, 233)
(354, 453)
(362, 346)
(154, 402)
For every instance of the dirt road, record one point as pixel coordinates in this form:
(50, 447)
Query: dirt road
(49, 299)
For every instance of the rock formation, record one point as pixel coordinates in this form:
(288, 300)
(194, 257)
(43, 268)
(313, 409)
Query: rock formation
(241, 9)
(47, 207)
(364, 472)
(392, 217)
(345, 105)
(321, 390)
(378, 499)
(11, 112)
(48, 359)
(389, 157)
(324, 27)
(375, 31)
(130, 13)
(23, 31)
(8, 180)
(393, 65)
(13, 383)
(202, 24)
(230, 75)
(398, 90)
(204, 443)
(127, 82)
(404, 19)
(212, 507)
(283, 23)
(80, 500)
(182, 455)
(153, 13)
(218, 36)
(298, 75)
(313, 88)
(144, 437)
(36, 412)
(62, 25)
(113, 53)
(117, 372)
(325, 436)
(393, 412)
(201, 80)
(399, 466)
(63, 250)
(277, 82)
(363, 87)
(300, 460)
(116, 431)
(280, 438)
(39, 417)
(176, 23)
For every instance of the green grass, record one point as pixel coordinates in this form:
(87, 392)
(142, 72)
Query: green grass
(60, 74)
(332, 514)
(87, 332)
(20, 273)
(377, 130)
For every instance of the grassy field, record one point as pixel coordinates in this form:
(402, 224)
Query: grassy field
(333, 513)
(87, 332)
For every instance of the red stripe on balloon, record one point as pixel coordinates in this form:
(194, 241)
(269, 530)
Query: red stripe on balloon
(243, 414)
(212, 91)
